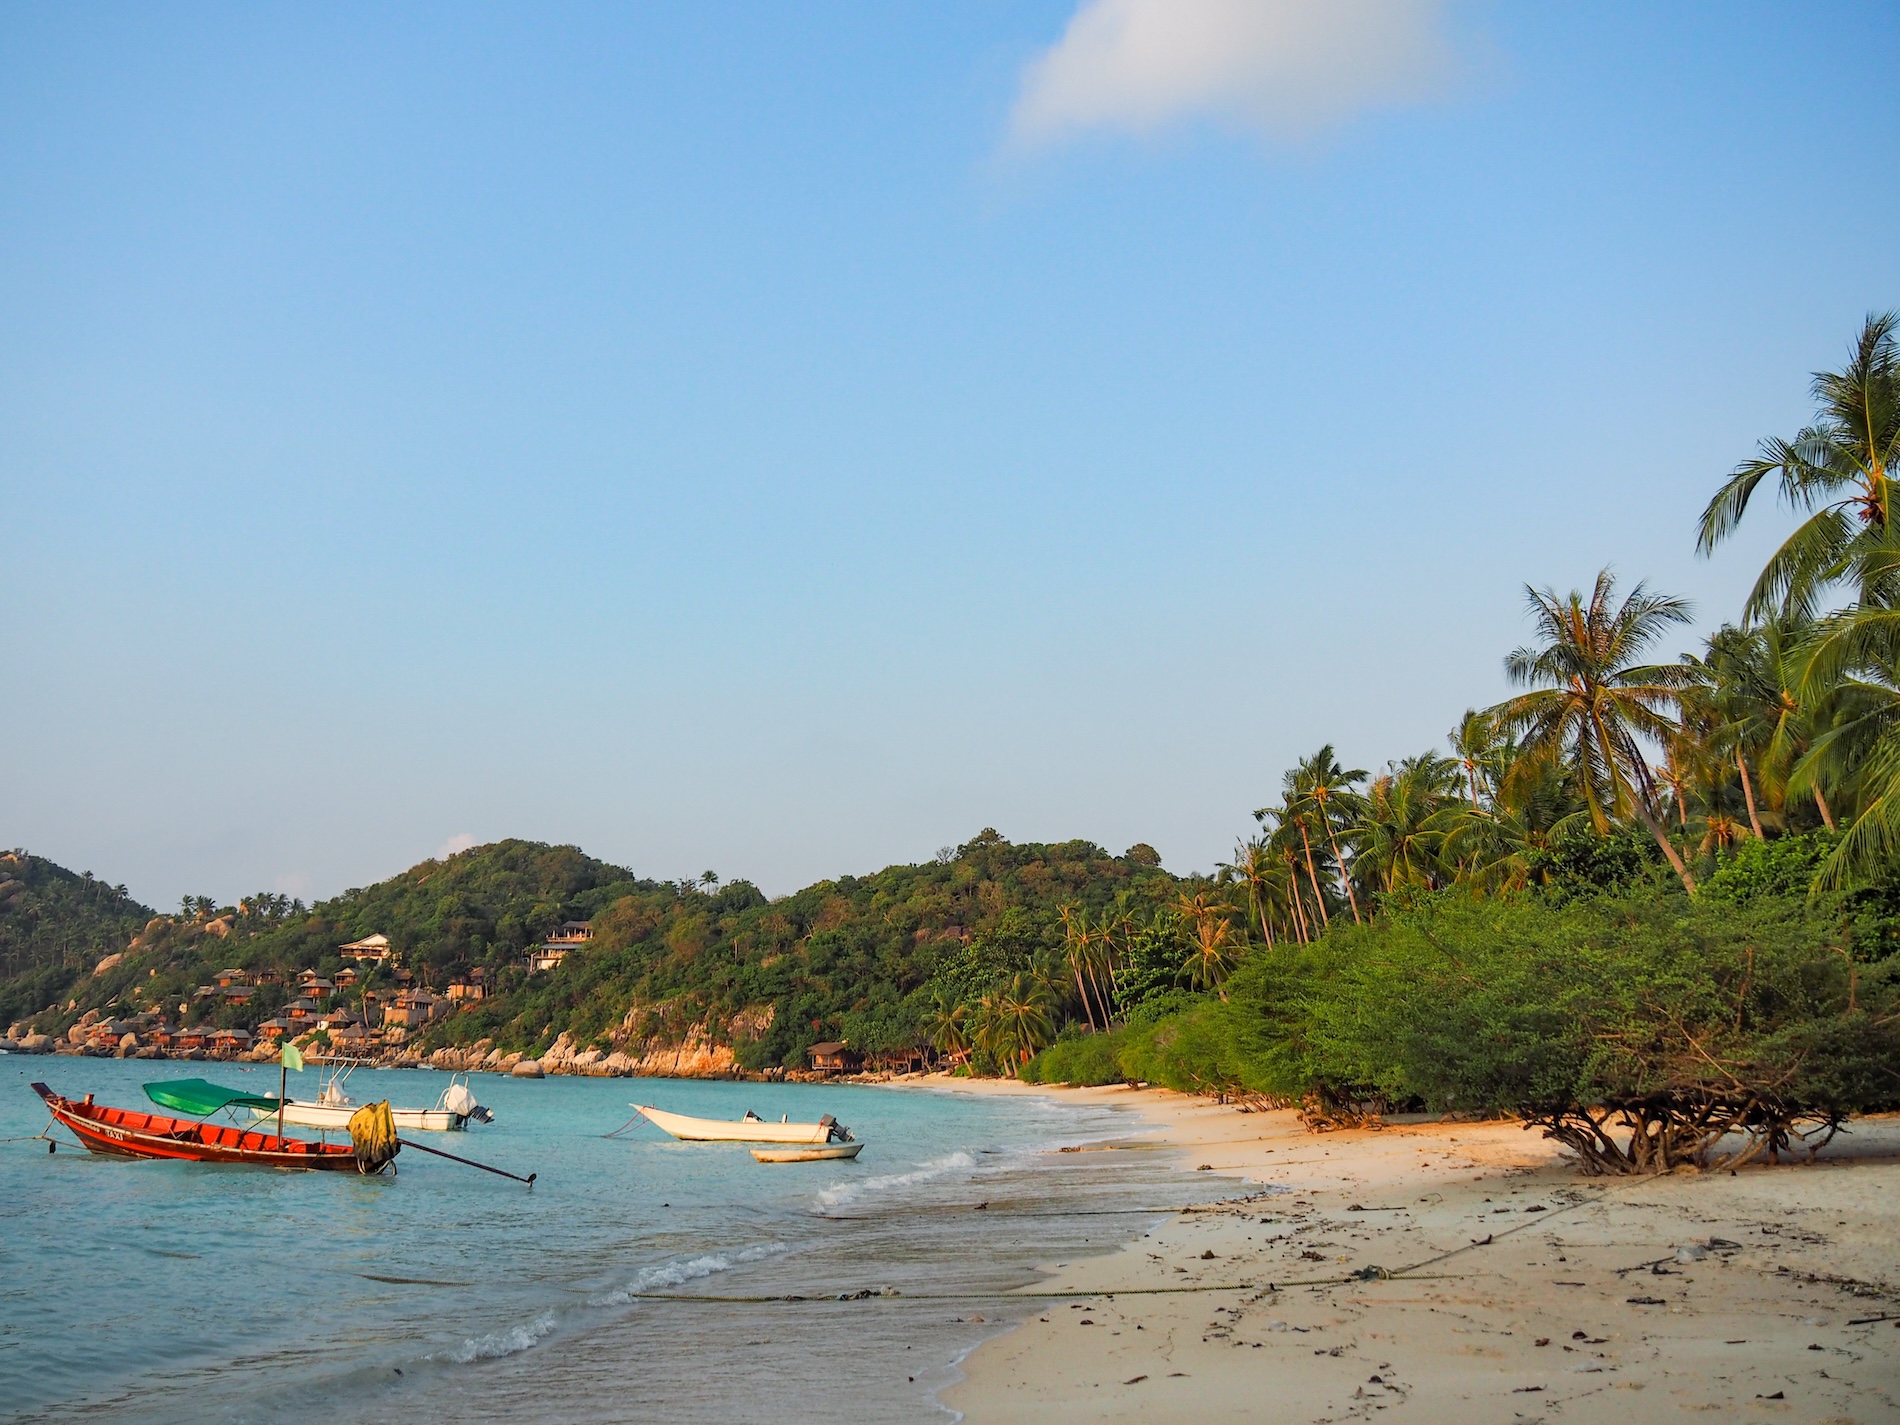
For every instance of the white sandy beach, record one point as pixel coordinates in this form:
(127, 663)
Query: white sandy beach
(1518, 1290)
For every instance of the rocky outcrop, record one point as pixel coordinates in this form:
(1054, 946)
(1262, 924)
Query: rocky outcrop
(110, 962)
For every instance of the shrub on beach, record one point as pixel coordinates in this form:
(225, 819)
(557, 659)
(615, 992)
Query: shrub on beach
(1085, 1060)
(1640, 1031)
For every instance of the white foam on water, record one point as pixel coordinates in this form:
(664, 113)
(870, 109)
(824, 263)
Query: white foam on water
(841, 1193)
(691, 1269)
(511, 1342)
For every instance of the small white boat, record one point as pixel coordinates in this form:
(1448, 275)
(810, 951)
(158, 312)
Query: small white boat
(808, 1153)
(750, 1129)
(333, 1108)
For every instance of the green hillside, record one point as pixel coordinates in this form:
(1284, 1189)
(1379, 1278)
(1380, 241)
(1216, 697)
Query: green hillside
(847, 959)
(55, 926)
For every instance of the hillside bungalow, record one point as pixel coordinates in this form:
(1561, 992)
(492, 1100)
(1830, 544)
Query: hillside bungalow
(346, 977)
(350, 1036)
(227, 978)
(412, 1008)
(230, 1041)
(370, 950)
(302, 1013)
(272, 1029)
(186, 1040)
(314, 986)
(556, 947)
(467, 990)
(236, 994)
(836, 1059)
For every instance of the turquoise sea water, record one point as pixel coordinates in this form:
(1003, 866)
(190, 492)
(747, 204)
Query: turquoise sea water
(167, 1292)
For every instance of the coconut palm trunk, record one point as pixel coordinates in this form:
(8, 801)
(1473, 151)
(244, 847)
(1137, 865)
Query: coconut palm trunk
(1311, 873)
(1827, 817)
(1748, 793)
(1340, 861)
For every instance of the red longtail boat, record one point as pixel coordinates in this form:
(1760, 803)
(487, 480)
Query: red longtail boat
(127, 1133)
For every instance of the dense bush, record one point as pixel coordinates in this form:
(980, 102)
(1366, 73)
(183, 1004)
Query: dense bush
(1085, 1059)
(1639, 1029)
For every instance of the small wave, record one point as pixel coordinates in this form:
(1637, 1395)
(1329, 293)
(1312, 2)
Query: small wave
(511, 1342)
(692, 1269)
(842, 1193)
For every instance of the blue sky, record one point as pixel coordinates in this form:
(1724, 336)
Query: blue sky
(785, 441)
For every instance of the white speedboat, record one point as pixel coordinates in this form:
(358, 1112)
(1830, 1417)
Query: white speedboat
(750, 1129)
(333, 1107)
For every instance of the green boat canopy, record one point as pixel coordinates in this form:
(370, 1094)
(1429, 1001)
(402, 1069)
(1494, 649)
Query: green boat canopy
(198, 1098)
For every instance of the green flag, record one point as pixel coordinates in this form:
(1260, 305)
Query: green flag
(293, 1059)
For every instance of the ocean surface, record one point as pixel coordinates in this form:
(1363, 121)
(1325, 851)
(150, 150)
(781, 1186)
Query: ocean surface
(165, 1292)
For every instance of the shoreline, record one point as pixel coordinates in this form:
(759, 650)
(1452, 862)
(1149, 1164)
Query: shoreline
(1452, 1268)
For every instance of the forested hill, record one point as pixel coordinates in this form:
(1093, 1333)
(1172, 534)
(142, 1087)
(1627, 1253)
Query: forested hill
(844, 959)
(56, 925)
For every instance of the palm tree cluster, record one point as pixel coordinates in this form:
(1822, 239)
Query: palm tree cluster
(1787, 720)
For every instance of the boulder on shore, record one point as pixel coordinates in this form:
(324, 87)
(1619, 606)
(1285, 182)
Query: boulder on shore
(528, 1069)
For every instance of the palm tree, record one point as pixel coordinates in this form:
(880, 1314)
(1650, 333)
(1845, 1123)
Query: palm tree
(1494, 849)
(1592, 705)
(1253, 867)
(1015, 1022)
(1327, 788)
(1839, 468)
(1076, 941)
(1403, 827)
(1476, 746)
(946, 1024)
(1752, 678)
(1209, 935)
(1854, 659)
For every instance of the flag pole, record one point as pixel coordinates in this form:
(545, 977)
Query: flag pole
(283, 1077)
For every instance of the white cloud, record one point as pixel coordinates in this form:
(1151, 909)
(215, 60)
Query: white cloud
(461, 841)
(1284, 67)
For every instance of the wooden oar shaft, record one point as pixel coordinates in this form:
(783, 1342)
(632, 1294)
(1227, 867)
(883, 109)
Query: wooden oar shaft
(469, 1162)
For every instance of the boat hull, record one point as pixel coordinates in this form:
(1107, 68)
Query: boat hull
(126, 1133)
(810, 1153)
(721, 1130)
(328, 1115)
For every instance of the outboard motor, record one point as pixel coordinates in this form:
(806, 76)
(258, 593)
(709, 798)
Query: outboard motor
(458, 1099)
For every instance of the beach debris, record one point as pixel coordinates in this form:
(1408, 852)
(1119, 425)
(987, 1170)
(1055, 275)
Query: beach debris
(1693, 1252)
(1485, 1241)
(1205, 1168)
(1372, 1274)
(1543, 1341)
(1134, 1380)
(1207, 1256)
(1647, 1301)
(1778, 1395)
